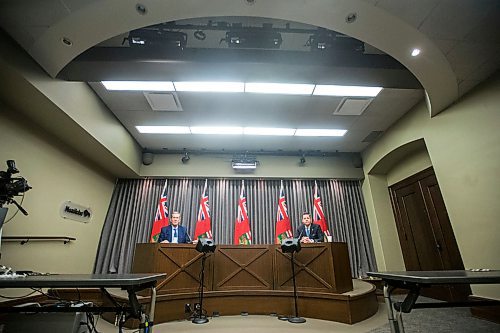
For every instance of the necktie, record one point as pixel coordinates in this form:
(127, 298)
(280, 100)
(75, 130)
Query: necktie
(307, 232)
(175, 232)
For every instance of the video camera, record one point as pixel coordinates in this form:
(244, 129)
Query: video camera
(12, 186)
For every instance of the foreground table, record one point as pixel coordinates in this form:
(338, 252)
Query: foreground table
(130, 282)
(413, 281)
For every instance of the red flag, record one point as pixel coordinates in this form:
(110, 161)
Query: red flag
(242, 234)
(319, 216)
(283, 226)
(203, 224)
(161, 218)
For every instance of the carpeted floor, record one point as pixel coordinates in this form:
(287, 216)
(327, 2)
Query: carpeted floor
(421, 320)
(445, 320)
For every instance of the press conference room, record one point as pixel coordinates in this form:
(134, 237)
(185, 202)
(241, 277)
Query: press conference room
(251, 165)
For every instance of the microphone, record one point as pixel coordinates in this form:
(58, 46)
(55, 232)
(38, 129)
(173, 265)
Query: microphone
(188, 238)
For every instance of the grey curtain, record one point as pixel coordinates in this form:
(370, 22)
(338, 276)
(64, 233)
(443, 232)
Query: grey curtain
(131, 214)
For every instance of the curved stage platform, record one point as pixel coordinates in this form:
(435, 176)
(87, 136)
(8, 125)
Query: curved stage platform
(256, 279)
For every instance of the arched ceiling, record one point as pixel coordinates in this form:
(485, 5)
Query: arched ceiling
(458, 42)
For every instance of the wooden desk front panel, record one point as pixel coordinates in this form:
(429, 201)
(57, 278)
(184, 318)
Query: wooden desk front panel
(313, 269)
(243, 267)
(319, 267)
(181, 262)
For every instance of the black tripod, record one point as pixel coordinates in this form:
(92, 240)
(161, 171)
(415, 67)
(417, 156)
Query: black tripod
(200, 318)
(296, 319)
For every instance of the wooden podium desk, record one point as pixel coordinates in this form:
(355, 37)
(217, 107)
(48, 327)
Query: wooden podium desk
(257, 279)
(319, 267)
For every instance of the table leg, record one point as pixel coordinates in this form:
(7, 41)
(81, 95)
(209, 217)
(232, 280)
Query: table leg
(152, 309)
(396, 324)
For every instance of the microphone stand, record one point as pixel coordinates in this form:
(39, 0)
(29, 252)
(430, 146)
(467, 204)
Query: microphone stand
(296, 319)
(200, 318)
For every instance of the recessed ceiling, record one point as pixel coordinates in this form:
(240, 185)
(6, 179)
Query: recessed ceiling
(459, 43)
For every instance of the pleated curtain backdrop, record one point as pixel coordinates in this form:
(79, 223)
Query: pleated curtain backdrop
(134, 202)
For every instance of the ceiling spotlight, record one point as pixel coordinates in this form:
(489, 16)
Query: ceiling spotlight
(185, 158)
(157, 38)
(415, 52)
(351, 17)
(199, 35)
(141, 9)
(257, 38)
(325, 40)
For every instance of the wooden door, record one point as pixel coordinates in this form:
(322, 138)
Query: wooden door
(425, 232)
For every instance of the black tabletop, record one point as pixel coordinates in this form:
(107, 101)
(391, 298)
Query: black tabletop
(440, 277)
(79, 280)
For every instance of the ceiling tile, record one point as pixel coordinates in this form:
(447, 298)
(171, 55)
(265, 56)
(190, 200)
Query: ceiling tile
(454, 19)
(445, 45)
(466, 57)
(411, 11)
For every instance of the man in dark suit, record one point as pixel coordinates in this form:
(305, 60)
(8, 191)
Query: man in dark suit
(309, 232)
(174, 233)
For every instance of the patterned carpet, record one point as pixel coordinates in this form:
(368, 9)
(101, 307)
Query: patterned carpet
(442, 320)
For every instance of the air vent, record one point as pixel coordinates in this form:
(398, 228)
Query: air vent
(374, 135)
(163, 101)
(350, 106)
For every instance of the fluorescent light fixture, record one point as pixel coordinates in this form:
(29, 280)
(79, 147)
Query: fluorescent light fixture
(269, 131)
(415, 52)
(319, 132)
(210, 86)
(239, 131)
(279, 88)
(217, 130)
(334, 90)
(244, 165)
(139, 85)
(163, 129)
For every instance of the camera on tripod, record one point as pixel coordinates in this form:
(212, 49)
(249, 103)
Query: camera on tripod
(12, 186)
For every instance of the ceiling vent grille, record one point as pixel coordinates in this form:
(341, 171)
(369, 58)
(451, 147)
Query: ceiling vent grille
(374, 135)
(352, 106)
(163, 101)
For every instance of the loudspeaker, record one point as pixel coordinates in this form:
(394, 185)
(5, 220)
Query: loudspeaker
(147, 158)
(290, 245)
(205, 245)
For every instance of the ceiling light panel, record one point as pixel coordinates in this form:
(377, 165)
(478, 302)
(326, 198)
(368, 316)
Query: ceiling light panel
(269, 131)
(139, 85)
(353, 91)
(163, 129)
(319, 132)
(210, 86)
(279, 88)
(217, 130)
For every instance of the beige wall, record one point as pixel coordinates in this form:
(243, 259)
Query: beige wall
(269, 167)
(379, 208)
(463, 146)
(56, 174)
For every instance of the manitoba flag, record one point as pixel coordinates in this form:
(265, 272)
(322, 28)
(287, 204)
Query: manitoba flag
(242, 234)
(318, 215)
(203, 224)
(283, 227)
(161, 218)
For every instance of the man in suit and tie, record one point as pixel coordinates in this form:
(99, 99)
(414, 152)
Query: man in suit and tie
(309, 232)
(174, 233)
